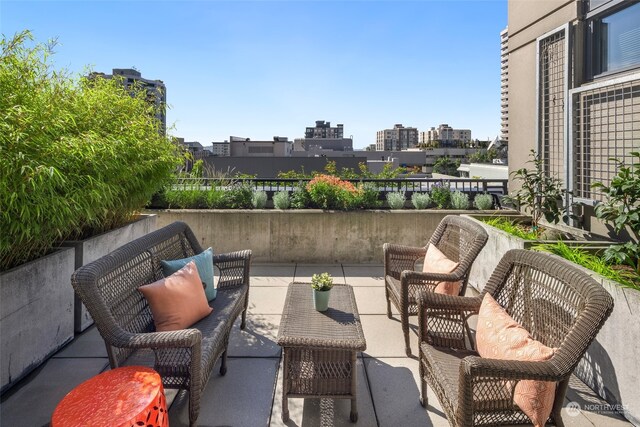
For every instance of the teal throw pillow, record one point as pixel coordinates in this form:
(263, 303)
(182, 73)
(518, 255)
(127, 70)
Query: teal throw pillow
(204, 263)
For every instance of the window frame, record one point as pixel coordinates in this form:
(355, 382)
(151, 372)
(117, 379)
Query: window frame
(592, 57)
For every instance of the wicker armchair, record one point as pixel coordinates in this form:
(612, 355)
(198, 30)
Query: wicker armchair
(184, 358)
(460, 239)
(560, 306)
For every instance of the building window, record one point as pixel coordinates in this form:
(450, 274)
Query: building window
(615, 41)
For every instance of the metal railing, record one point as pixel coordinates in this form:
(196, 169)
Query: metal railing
(407, 185)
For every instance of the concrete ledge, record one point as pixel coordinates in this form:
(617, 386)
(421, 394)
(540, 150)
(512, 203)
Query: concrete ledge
(309, 235)
(36, 313)
(95, 247)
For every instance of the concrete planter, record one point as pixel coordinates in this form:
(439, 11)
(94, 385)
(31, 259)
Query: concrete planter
(499, 242)
(36, 313)
(309, 235)
(610, 366)
(94, 247)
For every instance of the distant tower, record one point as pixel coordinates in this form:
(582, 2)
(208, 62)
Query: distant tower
(156, 91)
(504, 85)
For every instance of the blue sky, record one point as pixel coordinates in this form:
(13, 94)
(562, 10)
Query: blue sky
(263, 68)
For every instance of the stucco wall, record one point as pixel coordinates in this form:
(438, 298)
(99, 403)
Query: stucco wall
(527, 21)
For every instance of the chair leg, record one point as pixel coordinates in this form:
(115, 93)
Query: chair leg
(223, 363)
(424, 401)
(388, 308)
(243, 323)
(405, 331)
(194, 409)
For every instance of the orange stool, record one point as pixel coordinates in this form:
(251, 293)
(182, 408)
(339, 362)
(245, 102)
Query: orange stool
(129, 396)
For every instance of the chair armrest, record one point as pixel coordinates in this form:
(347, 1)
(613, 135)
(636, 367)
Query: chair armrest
(412, 277)
(398, 258)
(183, 338)
(476, 367)
(234, 268)
(442, 319)
(483, 379)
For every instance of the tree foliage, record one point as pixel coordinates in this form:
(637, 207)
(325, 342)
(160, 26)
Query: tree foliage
(76, 154)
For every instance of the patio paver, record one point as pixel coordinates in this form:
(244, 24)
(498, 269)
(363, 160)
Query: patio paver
(251, 392)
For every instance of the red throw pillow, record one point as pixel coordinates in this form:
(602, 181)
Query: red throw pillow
(500, 337)
(177, 301)
(437, 262)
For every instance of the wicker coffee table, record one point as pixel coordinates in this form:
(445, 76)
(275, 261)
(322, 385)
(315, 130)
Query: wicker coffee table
(320, 348)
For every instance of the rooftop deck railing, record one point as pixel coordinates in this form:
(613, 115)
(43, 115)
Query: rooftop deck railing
(407, 185)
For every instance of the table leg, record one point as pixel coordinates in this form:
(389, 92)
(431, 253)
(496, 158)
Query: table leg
(354, 387)
(285, 400)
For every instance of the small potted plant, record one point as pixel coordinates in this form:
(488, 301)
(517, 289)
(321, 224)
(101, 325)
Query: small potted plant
(321, 284)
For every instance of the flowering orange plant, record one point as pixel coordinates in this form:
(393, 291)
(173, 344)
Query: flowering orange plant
(332, 180)
(330, 192)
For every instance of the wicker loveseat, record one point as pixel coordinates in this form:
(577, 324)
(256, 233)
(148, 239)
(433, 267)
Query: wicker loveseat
(559, 305)
(184, 358)
(460, 239)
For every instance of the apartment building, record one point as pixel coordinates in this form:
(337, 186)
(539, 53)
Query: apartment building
(445, 135)
(220, 149)
(398, 138)
(323, 137)
(156, 90)
(323, 129)
(504, 85)
(574, 92)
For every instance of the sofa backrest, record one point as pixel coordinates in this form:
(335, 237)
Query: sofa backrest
(109, 285)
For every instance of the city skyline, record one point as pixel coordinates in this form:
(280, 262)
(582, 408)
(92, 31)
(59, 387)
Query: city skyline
(269, 68)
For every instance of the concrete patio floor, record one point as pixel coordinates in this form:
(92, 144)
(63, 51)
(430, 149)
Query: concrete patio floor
(250, 394)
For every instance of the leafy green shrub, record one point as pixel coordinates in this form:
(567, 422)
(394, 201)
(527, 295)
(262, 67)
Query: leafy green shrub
(216, 198)
(593, 262)
(330, 192)
(483, 201)
(368, 196)
(539, 194)
(440, 196)
(395, 200)
(459, 200)
(281, 200)
(77, 156)
(300, 198)
(622, 209)
(239, 196)
(259, 199)
(420, 200)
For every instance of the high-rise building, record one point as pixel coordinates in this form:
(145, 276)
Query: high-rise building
(324, 130)
(504, 85)
(156, 90)
(396, 139)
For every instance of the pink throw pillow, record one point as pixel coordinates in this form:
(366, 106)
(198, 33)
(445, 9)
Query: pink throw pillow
(177, 301)
(500, 337)
(437, 262)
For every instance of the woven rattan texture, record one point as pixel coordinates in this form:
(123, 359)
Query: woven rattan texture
(338, 327)
(460, 239)
(558, 304)
(184, 358)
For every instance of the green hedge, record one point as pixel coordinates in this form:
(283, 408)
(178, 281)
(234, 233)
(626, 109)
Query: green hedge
(77, 155)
